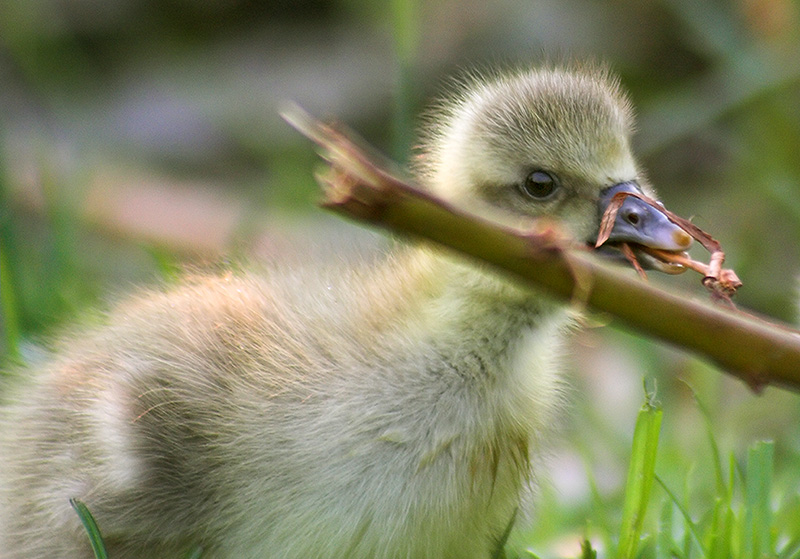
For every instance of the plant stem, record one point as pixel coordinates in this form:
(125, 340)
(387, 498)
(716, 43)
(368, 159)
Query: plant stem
(358, 186)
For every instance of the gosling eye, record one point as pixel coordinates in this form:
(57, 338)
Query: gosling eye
(540, 185)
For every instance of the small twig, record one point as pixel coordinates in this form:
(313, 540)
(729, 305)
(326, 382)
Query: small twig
(627, 251)
(722, 283)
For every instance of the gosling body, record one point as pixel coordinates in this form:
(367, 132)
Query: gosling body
(386, 409)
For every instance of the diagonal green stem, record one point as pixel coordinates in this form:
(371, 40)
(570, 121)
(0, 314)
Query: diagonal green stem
(358, 186)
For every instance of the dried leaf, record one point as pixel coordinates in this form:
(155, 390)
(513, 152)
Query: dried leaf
(609, 217)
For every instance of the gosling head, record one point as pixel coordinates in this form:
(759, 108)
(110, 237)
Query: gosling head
(546, 142)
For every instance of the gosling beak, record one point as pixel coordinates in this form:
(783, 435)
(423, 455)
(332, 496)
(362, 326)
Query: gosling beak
(641, 225)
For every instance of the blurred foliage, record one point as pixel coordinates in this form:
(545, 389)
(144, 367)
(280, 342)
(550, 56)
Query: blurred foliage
(103, 97)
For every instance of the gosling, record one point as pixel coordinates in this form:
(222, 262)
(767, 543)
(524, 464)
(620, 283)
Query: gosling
(390, 409)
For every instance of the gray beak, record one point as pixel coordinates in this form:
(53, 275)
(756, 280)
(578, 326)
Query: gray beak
(639, 223)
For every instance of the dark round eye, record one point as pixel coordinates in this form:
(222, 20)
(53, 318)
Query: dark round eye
(540, 185)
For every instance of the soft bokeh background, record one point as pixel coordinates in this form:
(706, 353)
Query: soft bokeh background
(140, 135)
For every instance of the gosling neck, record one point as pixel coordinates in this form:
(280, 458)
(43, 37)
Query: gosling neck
(438, 295)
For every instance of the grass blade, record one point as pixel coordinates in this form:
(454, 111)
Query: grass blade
(641, 473)
(664, 541)
(691, 528)
(8, 306)
(95, 538)
(758, 514)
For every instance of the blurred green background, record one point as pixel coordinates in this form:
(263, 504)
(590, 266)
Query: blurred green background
(137, 136)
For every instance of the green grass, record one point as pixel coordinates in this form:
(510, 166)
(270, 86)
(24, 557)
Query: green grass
(641, 475)
(92, 531)
(735, 511)
(9, 305)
